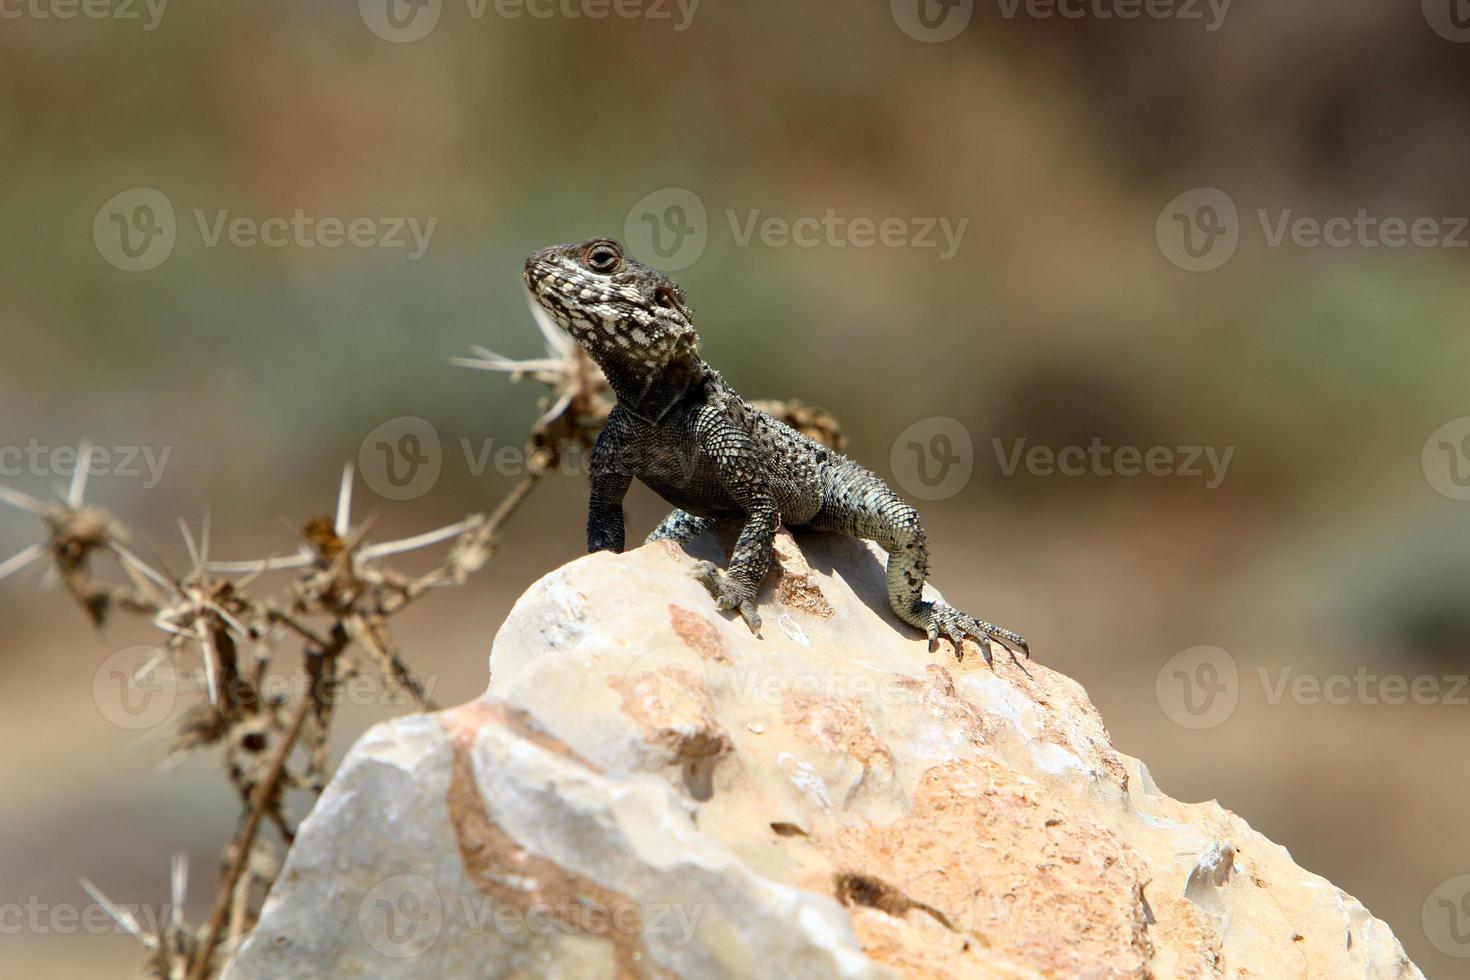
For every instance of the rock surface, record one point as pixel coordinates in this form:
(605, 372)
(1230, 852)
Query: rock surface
(649, 790)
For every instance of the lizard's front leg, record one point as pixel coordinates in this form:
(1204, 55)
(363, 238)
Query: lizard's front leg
(743, 474)
(736, 588)
(610, 483)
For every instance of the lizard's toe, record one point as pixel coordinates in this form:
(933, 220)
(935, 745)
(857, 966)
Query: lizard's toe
(751, 617)
(960, 633)
(1013, 642)
(725, 594)
(955, 626)
(1004, 637)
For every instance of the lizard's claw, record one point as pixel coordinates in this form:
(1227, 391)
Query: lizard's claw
(726, 594)
(955, 626)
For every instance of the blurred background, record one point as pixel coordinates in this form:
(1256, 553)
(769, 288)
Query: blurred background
(1131, 265)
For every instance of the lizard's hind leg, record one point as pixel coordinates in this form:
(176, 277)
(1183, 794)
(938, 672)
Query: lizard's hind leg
(857, 503)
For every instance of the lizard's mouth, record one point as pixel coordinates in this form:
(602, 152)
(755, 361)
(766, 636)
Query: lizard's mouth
(532, 272)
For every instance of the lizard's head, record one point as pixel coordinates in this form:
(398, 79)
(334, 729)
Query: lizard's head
(619, 310)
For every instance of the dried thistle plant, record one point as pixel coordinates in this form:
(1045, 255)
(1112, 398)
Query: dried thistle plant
(227, 636)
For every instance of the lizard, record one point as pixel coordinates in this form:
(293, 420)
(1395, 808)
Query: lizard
(684, 432)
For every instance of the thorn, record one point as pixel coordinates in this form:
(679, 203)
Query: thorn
(178, 889)
(256, 566)
(118, 914)
(22, 502)
(211, 672)
(413, 543)
(344, 503)
(20, 561)
(133, 561)
(233, 623)
(78, 489)
(173, 579)
(555, 410)
(189, 543)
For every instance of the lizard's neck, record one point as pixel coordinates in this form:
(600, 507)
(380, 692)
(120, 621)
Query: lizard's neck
(651, 395)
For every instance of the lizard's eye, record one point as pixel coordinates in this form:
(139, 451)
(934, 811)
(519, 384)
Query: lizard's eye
(604, 257)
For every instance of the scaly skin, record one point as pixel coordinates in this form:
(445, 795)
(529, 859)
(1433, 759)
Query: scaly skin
(684, 432)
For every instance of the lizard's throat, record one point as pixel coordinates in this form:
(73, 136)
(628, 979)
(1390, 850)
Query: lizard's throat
(652, 392)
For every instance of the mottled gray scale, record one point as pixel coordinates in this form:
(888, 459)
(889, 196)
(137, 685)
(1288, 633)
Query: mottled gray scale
(679, 527)
(687, 435)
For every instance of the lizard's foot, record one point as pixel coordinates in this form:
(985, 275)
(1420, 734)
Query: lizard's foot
(727, 594)
(948, 622)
